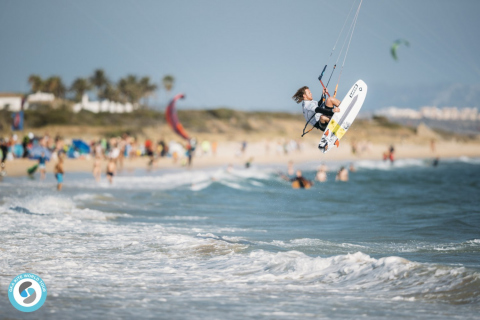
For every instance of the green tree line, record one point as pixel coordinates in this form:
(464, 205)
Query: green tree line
(131, 88)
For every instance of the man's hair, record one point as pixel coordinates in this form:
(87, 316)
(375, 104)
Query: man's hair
(298, 96)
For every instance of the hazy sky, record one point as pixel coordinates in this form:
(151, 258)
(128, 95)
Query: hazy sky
(247, 54)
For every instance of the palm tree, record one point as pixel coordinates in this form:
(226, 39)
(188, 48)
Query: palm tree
(55, 85)
(99, 80)
(111, 93)
(36, 83)
(168, 81)
(129, 87)
(79, 87)
(147, 88)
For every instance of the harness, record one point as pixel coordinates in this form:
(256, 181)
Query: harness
(317, 124)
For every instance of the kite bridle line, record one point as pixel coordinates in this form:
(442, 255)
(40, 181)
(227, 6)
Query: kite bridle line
(350, 32)
(352, 28)
(336, 41)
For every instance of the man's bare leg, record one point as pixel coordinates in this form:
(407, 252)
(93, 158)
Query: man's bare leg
(332, 102)
(324, 119)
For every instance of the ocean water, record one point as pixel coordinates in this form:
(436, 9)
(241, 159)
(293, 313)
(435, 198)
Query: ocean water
(399, 241)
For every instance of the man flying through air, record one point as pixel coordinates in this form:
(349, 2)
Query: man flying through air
(318, 114)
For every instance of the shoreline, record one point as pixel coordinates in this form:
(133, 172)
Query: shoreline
(228, 153)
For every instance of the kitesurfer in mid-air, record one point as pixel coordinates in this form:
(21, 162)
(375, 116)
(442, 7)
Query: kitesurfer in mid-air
(317, 113)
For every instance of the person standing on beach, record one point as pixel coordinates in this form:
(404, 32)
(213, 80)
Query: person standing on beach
(243, 147)
(316, 113)
(385, 156)
(41, 166)
(97, 170)
(206, 147)
(432, 145)
(59, 172)
(149, 153)
(391, 154)
(3, 156)
(214, 148)
(111, 168)
(189, 153)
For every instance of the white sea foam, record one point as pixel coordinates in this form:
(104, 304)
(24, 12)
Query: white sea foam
(93, 196)
(387, 165)
(316, 245)
(55, 206)
(405, 163)
(329, 247)
(469, 160)
(190, 218)
(200, 186)
(126, 260)
(194, 180)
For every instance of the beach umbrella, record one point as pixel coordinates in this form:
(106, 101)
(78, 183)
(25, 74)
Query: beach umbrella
(81, 146)
(77, 148)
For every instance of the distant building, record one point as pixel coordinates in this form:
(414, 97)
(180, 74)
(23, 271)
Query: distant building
(11, 101)
(434, 113)
(38, 97)
(394, 112)
(450, 113)
(41, 97)
(103, 106)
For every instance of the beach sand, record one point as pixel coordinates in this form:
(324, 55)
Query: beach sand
(229, 153)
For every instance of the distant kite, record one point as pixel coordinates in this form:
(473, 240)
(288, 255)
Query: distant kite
(395, 45)
(172, 118)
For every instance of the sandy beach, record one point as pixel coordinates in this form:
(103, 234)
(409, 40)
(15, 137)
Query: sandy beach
(228, 153)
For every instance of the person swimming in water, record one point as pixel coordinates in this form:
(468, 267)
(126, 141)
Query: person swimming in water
(316, 113)
(321, 175)
(299, 181)
(342, 175)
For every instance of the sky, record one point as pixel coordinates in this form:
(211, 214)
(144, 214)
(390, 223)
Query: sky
(251, 54)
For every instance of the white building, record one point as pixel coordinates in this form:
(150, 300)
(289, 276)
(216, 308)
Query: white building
(431, 112)
(41, 97)
(434, 113)
(38, 97)
(400, 113)
(102, 106)
(450, 113)
(11, 101)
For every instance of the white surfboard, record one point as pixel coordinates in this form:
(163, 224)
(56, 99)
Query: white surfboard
(341, 121)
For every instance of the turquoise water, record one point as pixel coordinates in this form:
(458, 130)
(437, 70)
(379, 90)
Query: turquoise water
(399, 241)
